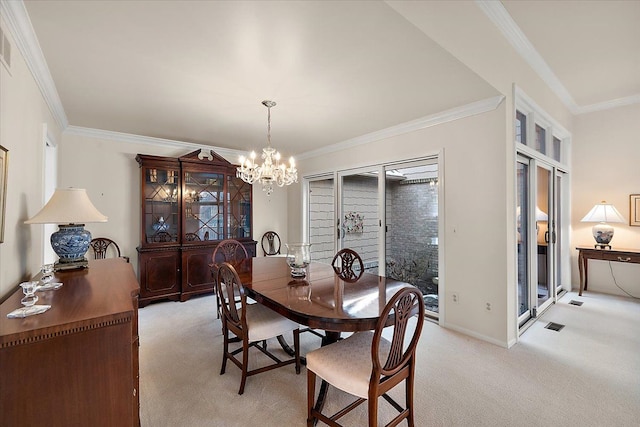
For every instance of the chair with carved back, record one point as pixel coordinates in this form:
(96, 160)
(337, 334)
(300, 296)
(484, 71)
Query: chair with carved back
(192, 237)
(367, 365)
(270, 243)
(163, 237)
(253, 325)
(231, 251)
(348, 265)
(104, 247)
(343, 265)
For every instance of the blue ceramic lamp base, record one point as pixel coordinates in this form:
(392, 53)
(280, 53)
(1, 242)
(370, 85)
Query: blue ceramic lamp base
(71, 243)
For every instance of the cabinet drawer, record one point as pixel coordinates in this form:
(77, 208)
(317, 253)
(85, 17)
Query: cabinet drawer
(621, 257)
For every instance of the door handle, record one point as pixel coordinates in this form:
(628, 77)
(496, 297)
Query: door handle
(546, 236)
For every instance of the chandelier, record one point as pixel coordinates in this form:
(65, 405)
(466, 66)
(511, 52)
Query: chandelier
(271, 171)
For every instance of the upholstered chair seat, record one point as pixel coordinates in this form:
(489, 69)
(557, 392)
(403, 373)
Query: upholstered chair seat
(264, 323)
(347, 364)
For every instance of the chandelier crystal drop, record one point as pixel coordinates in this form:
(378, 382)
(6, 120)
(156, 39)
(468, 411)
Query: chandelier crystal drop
(271, 171)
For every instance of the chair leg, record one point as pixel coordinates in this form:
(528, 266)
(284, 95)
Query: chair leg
(225, 347)
(311, 391)
(409, 399)
(245, 364)
(373, 411)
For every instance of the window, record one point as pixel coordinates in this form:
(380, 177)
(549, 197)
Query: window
(541, 143)
(539, 132)
(557, 148)
(521, 127)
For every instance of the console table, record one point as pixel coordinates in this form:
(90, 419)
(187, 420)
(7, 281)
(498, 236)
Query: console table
(615, 255)
(77, 363)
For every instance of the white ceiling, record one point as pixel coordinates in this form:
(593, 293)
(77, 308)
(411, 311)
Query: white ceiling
(198, 71)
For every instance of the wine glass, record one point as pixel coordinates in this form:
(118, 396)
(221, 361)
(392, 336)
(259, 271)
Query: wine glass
(29, 290)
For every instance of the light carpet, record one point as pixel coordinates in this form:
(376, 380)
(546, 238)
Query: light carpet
(588, 374)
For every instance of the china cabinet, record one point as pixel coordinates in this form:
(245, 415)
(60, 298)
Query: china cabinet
(188, 205)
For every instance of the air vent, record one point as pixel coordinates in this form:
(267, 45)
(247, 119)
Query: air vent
(5, 50)
(554, 326)
(574, 302)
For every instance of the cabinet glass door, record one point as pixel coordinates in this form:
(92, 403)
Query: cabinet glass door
(161, 195)
(203, 206)
(239, 214)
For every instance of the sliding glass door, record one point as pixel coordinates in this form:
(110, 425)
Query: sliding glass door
(411, 227)
(321, 218)
(359, 220)
(539, 235)
(392, 223)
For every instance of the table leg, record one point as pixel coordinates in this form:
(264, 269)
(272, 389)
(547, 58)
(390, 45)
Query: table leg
(582, 267)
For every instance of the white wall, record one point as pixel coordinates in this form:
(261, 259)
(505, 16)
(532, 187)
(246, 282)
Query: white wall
(475, 214)
(22, 115)
(108, 170)
(606, 166)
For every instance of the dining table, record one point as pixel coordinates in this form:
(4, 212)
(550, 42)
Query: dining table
(322, 300)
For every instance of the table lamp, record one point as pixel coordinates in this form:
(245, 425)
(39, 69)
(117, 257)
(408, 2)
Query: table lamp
(70, 208)
(602, 213)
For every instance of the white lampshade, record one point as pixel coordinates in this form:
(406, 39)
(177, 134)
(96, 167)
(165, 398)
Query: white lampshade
(68, 206)
(603, 212)
(541, 215)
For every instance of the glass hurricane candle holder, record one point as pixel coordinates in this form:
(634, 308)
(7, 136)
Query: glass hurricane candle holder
(298, 258)
(47, 273)
(29, 290)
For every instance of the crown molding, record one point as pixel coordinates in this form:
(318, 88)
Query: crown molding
(497, 13)
(19, 24)
(228, 153)
(512, 32)
(457, 113)
(608, 105)
(231, 155)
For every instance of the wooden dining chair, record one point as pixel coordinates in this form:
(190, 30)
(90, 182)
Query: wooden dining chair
(367, 365)
(348, 265)
(270, 243)
(343, 265)
(104, 247)
(252, 324)
(231, 251)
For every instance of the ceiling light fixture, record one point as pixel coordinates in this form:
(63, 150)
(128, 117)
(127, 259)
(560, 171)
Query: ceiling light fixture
(270, 172)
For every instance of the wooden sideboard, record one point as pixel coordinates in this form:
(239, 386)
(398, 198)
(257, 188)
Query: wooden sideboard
(77, 363)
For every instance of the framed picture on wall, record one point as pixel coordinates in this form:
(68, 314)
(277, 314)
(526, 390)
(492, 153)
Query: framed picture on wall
(634, 210)
(3, 188)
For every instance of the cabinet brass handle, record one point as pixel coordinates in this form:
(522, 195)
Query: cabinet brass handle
(627, 259)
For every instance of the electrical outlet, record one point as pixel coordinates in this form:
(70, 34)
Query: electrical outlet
(455, 297)
(488, 306)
